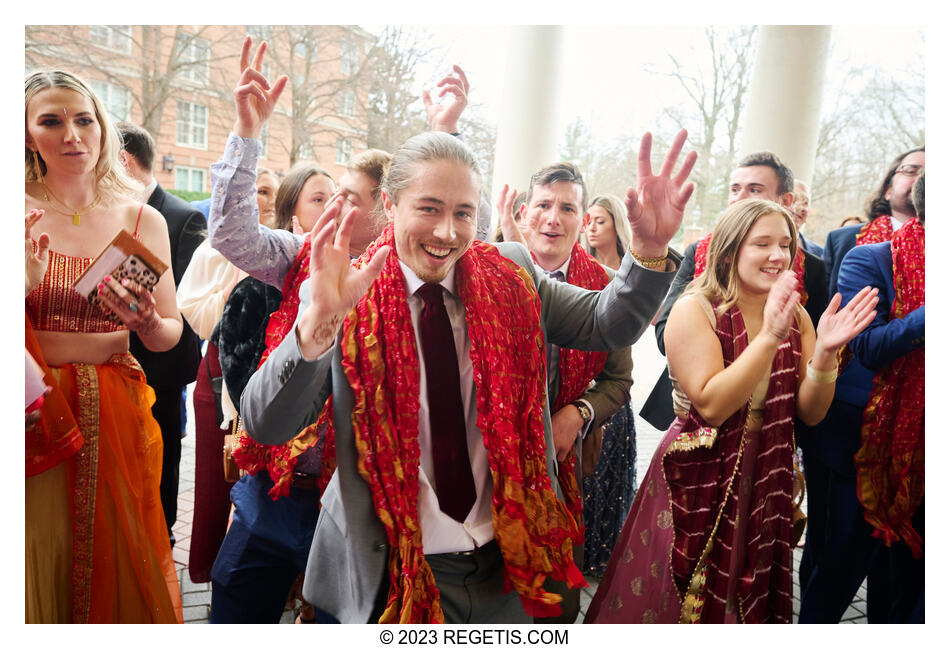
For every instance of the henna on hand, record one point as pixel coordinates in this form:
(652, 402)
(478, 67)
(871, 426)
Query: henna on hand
(325, 331)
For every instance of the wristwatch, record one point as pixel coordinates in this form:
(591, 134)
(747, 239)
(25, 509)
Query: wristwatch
(584, 409)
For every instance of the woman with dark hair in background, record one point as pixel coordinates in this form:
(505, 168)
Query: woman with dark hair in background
(272, 523)
(97, 549)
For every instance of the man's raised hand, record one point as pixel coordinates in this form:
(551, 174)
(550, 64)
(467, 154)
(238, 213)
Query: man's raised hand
(445, 117)
(254, 97)
(510, 230)
(655, 208)
(335, 285)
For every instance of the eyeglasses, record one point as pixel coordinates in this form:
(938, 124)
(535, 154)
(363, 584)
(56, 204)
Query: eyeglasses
(910, 170)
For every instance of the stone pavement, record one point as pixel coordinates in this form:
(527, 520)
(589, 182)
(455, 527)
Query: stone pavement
(647, 365)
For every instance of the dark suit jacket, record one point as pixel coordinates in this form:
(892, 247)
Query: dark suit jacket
(178, 366)
(837, 245)
(810, 246)
(881, 343)
(348, 557)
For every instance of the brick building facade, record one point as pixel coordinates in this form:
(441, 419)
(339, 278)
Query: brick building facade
(177, 81)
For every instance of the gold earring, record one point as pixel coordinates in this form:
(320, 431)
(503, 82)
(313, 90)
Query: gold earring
(36, 161)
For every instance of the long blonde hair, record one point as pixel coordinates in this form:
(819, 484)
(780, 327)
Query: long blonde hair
(720, 281)
(112, 180)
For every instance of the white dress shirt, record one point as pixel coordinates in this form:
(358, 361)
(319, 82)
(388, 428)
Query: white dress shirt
(440, 532)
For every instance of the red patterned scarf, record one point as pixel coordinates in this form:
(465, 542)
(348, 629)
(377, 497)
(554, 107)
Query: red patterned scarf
(533, 529)
(280, 461)
(577, 369)
(705, 477)
(798, 266)
(877, 231)
(890, 462)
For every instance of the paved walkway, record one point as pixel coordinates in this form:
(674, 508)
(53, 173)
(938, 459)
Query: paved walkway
(648, 363)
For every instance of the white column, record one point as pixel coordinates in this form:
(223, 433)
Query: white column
(528, 124)
(784, 107)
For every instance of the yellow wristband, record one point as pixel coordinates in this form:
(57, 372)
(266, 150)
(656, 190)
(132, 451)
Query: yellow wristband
(821, 376)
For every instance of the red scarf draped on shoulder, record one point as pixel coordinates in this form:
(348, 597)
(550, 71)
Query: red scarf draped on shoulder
(280, 461)
(877, 231)
(577, 369)
(533, 529)
(798, 266)
(890, 462)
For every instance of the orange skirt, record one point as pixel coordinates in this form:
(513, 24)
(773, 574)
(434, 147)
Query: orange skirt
(121, 569)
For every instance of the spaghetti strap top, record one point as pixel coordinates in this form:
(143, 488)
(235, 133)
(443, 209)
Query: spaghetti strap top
(55, 306)
(681, 402)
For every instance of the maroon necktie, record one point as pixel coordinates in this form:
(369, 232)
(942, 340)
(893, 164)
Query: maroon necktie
(454, 484)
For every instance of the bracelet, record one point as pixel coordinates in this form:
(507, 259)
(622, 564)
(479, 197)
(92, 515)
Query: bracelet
(651, 262)
(821, 376)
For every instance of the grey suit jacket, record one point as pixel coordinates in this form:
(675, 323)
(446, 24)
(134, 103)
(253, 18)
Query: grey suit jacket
(348, 557)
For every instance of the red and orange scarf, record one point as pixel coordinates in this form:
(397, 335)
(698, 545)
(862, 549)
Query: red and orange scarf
(798, 266)
(280, 461)
(577, 369)
(890, 462)
(877, 231)
(533, 529)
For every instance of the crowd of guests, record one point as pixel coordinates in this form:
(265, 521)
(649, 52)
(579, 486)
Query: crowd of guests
(422, 426)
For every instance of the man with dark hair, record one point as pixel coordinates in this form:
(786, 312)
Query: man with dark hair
(869, 484)
(758, 175)
(167, 372)
(553, 214)
(887, 209)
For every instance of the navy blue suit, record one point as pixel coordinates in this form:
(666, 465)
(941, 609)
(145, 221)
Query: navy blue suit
(810, 246)
(840, 549)
(837, 245)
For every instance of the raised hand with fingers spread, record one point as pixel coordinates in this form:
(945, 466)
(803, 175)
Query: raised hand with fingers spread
(509, 227)
(335, 285)
(655, 208)
(445, 116)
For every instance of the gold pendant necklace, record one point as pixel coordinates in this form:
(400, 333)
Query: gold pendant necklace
(75, 213)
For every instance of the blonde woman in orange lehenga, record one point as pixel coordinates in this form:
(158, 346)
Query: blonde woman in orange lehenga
(96, 545)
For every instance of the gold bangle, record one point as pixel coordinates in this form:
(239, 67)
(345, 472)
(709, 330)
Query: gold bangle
(821, 376)
(651, 262)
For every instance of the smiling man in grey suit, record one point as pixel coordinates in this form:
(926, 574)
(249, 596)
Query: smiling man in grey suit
(442, 504)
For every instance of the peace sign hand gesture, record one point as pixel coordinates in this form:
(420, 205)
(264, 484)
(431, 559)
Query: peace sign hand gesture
(254, 97)
(655, 209)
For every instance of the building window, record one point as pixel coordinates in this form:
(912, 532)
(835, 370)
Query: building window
(306, 49)
(347, 103)
(259, 32)
(349, 57)
(113, 37)
(191, 128)
(189, 179)
(114, 98)
(344, 151)
(305, 151)
(264, 138)
(195, 58)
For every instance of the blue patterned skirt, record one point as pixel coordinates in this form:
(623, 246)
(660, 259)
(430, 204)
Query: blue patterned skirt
(609, 491)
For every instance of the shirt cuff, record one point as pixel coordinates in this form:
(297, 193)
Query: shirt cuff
(242, 151)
